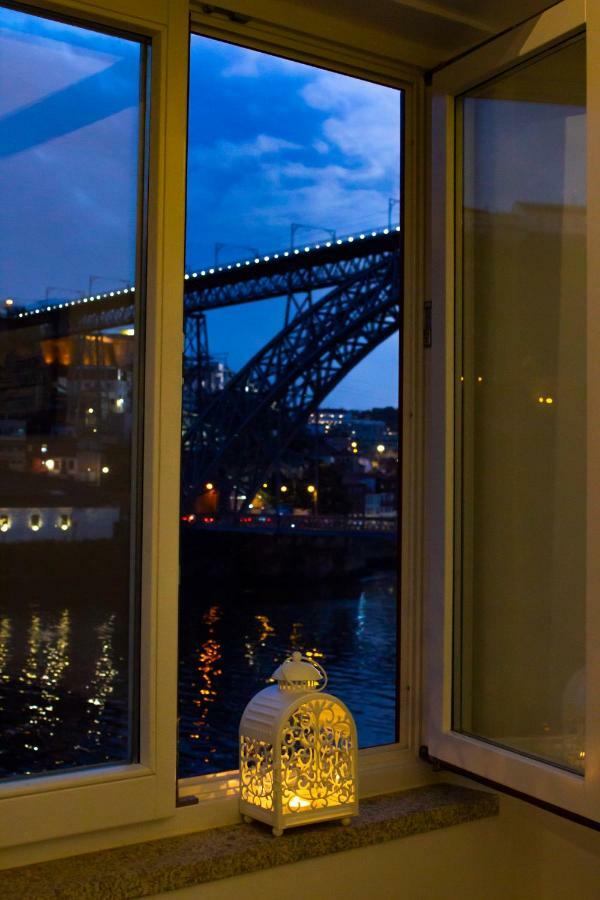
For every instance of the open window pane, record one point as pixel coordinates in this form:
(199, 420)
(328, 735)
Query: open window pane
(70, 115)
(291, 383)
(521, 401)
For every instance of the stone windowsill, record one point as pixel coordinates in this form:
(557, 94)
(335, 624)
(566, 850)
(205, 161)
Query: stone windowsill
(140, 870)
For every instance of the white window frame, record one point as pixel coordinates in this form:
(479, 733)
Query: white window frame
(39, 809)
(579, 795)
(74, 812)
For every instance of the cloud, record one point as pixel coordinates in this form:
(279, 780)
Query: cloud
(363, 121)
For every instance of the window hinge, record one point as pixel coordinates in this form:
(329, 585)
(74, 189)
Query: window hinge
(211, 10)
(427, 324)
(435, 764)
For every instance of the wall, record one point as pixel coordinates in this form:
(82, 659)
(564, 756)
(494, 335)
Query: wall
(523, 854)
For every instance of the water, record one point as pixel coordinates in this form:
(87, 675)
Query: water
(64, 656)
(233, 638)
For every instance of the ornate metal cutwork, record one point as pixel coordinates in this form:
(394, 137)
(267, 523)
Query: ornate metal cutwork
(317, 769)
(256, 772)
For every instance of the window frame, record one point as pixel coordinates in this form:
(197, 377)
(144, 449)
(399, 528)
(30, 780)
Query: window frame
(395, 765)
(80, 811)
(532, 777)
(75, 801)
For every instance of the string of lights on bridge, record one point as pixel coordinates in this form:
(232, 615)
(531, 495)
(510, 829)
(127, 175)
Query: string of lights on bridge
(348, 239)
(69, 303)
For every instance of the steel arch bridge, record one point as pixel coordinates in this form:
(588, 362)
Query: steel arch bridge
(234, 436)
(242, 431)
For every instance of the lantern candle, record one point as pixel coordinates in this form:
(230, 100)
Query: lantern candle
(297, 751)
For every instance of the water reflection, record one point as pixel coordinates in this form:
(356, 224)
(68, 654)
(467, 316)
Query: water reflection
(244, 636)
(102, 684)
(48, 720)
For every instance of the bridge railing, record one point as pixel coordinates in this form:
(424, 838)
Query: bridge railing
(286, 522)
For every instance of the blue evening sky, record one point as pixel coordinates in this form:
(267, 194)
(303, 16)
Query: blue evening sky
(271, 142)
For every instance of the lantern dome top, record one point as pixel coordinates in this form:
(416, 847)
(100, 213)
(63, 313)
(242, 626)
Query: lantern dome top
(299, 673)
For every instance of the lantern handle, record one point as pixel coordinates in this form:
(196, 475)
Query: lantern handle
(318, 666)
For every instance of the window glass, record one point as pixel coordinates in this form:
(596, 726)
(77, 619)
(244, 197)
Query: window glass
(291, 383)
(521, 401)
(70, 115)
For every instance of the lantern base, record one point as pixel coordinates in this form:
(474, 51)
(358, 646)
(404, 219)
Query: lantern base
(247, 819)
(344, 815)
(277, 832)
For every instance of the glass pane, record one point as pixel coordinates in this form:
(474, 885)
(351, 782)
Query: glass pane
(69, 124)
(521, 401)
(290, 444)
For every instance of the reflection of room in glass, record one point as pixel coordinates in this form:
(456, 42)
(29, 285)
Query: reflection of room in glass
(290, 403)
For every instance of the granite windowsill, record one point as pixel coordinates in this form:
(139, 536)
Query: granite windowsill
(140, 870)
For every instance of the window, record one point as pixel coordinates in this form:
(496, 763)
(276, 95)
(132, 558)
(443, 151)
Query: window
(69, 283)
(64, 804)
(514, 594)
(291, 430)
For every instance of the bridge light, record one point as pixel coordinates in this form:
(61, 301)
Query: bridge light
(283, 489)
(276, 256)
(9, 302)
(350, 239)
(211, 271)
(105, 470)
(362, 237)
(5, 524)
(209, 486)
(90, 410)
(194, 274)
(112, 293)
(266, 258)
(237, 265)
(64, 522)
(328, 244)
(397, 228)
(256, 259)
(296, 251)
(386, 230)
(265, 485)
(380, 448)
(50, 464)
(311, 488)
(339, 241)
(35, 521)
(373, 234)
(354, 444)
(307, 249)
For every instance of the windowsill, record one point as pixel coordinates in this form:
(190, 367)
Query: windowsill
(150, 868)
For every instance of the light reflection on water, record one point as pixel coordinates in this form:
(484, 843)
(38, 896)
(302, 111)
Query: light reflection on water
(229, 650)
(56, 693)
(63, 678)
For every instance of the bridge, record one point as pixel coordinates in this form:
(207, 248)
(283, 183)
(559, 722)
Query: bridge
(343, 298)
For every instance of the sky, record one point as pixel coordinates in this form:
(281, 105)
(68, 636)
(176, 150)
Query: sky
(271, 142)
(274, 142)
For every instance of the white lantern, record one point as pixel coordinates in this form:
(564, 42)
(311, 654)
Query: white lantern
(297, 751)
